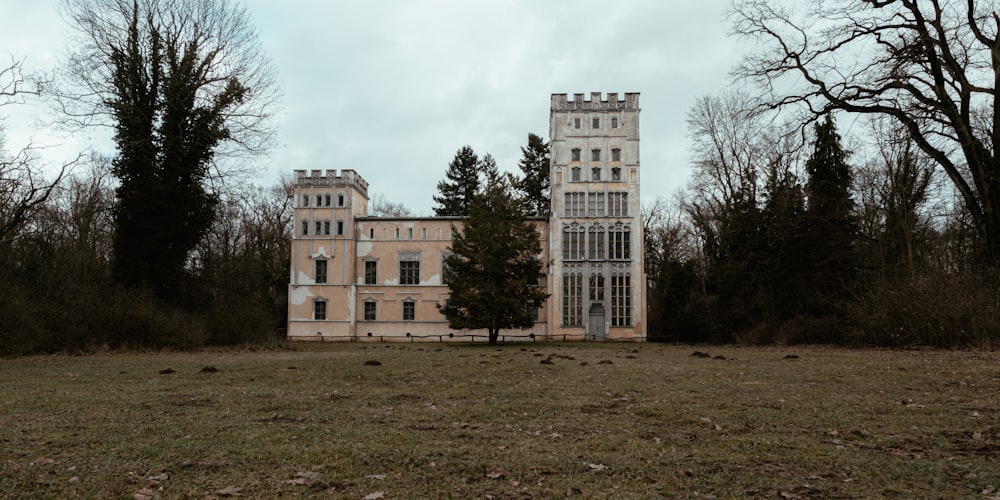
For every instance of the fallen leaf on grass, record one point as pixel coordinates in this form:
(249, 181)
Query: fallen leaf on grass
(495, 472)
(375, 496)
(377, 477)
(597, 466)
(302, 478)
(230, 491)
(163, 476)
(44, 461)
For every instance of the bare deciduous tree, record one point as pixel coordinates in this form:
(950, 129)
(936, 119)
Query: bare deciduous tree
(933, 67)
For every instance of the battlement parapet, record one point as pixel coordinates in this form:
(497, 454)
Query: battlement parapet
(345, 177)
(560, 102)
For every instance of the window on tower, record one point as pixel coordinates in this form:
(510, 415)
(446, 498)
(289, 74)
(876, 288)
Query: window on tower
(575, 154)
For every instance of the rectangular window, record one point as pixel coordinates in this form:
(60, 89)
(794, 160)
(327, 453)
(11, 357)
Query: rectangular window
(397, 233)
(595, 155)
(409, 310)
(340, 227)
(576, 174)
(617, 204)
(319, 228)
(595, 204)
(574, 204)
(371, 233)
(371, 272)
(327, 199)
(621, 300)
(409, 272)
(320, 271)
(597, 287)
(619, 242)
(573, 243)
(319, 309)
(575, 154)
(576, 123)
(340, 200)
(595, 243)
(616, 154)
(410, 233)
(596, 123)
(305, 200)
(369, 311)
(614, 122)
(305, 228)
(616, 174)
(423, 233)
(326, 227)
(572, 305)
(595, 174)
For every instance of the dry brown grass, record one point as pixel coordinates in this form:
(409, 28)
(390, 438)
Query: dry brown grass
(444, 420)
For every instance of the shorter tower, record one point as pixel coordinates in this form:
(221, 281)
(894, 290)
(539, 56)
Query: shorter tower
(321, 286)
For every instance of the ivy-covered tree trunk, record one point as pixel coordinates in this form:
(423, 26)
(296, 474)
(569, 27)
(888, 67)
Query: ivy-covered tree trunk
(177, 80)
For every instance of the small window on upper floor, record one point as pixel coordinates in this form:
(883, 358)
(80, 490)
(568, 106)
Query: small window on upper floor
(319, 227)
(397, 233)
(410, 233)
(326, 227)
(371, 233)
(327, 200)
(616, 174)
(576, 174)
(305, 200)
(305, 228)
(595, 174)
(595, 155)
(575, 154)
(423, 233)
(616, 154)
(340, 227)
(576, 123)
(597, 123)
(340, 200)
(614, 122)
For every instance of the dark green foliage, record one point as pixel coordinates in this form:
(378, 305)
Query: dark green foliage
(461, 184)
(534, 164)
(493, 273)
(166, 134)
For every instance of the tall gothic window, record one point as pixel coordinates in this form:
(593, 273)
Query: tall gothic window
(595, 204)
(321, 271)
(619, 241)
(595, 243)
(617, 204)
(621, 299)
(572, 306)
(573, 242)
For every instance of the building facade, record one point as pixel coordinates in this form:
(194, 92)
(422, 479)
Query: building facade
(357, 277)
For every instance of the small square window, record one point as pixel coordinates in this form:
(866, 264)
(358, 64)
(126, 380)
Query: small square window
(576, 154)
(614, 122)
(319, 309)
(369, 311)
(576, 123)
(616, 154)
(597, 123)
(409, 310)
(595, 155)
(595, 174)
(576, 174)
(616, 174)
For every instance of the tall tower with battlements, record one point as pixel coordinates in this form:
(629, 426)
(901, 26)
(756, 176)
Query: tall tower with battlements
(596, 275)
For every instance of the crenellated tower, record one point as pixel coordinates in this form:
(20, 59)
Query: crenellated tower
(595, 232)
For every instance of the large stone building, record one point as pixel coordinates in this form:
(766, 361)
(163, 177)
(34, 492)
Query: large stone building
(357, 277)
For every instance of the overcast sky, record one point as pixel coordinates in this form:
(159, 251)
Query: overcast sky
(392, 89)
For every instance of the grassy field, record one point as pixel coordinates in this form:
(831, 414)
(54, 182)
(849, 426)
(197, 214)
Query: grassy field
(514, 421)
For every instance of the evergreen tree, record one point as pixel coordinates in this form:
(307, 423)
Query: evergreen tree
(461, 184)
(831, 226)
(493, 274)
(534, 165)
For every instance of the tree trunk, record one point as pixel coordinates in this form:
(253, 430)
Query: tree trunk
(494, 335)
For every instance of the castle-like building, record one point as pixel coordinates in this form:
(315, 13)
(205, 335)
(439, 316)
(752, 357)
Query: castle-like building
(358, 277)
